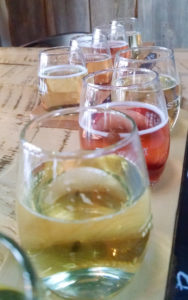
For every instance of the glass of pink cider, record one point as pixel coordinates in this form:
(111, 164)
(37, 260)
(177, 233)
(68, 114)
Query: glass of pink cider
(136, 92)
(116, 37)
(96, 52)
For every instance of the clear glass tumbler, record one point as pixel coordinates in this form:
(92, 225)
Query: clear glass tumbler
(96, 52)
(60, 73)
(161, 60)
(138, 93)
(83, 204)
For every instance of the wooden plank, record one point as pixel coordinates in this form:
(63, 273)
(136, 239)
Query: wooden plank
(145, 17)
(19, 56)
(71, 15)
(103, 11)
(164, 21)
(31, 20)
(4, 30)
(125, 8)
(26, 20)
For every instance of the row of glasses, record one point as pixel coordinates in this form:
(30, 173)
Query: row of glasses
(119, 34)
(61, 69)
(83, 194)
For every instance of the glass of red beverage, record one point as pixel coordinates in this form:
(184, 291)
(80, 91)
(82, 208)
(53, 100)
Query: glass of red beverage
(136, 92)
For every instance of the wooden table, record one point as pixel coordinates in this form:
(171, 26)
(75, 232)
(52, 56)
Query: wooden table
(18, 97)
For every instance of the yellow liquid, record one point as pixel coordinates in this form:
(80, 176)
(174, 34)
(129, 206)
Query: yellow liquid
(172, 93)
(97, 62)
(60, 86)
(134, 38)
(86, 218)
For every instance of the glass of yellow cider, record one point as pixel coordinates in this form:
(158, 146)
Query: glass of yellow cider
(162, 61)
(83, 206)
(60, 73)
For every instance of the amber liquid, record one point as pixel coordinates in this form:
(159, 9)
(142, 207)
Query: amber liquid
(86, 220)
(97, 62)
(134, 38)
(172, 93)
(60, 86)
(116, 46)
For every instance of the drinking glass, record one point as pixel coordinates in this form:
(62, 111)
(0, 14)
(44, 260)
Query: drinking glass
(132, 30)
(137, 92)
(96, 52)
(18, 280)
(60, 73)
(161, 60)
(116, 36)
(83, 204)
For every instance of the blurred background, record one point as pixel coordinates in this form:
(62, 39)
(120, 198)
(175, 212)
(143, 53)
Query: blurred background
(23, 21)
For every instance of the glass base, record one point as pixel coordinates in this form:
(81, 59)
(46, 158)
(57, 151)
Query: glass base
(93, 283)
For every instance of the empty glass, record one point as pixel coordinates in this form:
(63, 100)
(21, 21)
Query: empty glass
(161, 60)
(83, 201)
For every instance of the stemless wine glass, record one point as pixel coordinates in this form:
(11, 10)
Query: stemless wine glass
(18, 280)
(161, 60)
(83, 200)
(116, 36)
(132, 30)
(61, 70)
(96, 52)
(138, 93)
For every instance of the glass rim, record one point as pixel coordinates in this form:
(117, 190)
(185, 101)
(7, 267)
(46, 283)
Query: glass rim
(29, 276)
(114, 87)
(84, 154)
(142, 48)
(125, 20)
(83, 38)
(51, 50)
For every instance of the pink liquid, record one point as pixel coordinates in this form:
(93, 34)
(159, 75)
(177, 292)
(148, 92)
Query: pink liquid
(116, 46)
(153, 130)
